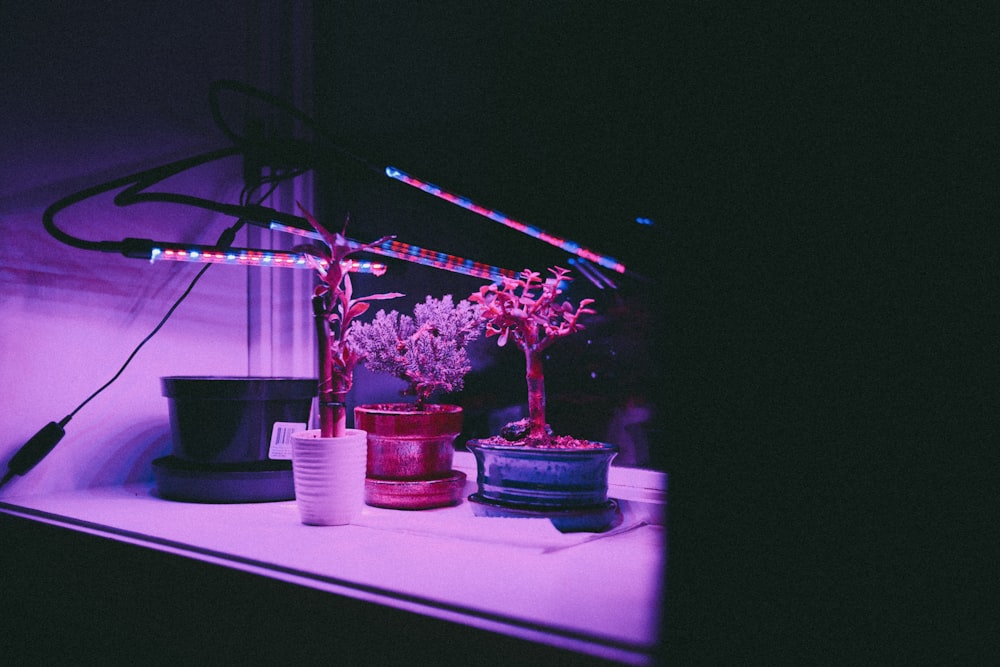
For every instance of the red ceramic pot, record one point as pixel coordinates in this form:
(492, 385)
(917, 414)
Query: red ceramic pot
(404, 444)
(410, 455)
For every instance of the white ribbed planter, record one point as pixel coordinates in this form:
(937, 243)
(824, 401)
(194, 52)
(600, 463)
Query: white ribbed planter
(329, 475)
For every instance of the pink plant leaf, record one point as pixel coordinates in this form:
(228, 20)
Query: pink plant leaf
(356, 309)
(380, 297)
(348, 289)
(323, 231)
(374, 244)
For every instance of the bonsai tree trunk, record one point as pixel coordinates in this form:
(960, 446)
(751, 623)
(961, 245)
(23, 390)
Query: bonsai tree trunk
(536, 393)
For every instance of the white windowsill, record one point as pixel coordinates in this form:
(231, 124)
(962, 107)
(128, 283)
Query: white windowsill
(598, 594)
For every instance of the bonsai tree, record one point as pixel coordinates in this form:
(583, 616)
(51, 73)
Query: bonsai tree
(334, 309)
(528, 311)
(427, 351)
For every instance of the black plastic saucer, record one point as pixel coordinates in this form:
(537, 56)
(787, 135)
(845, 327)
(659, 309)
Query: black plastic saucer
(253, 482)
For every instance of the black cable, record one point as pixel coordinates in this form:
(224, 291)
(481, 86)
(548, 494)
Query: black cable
(43, 442)
(134, 184)
(143, 342)
(148, 176)
(39, 445)
(335, 143)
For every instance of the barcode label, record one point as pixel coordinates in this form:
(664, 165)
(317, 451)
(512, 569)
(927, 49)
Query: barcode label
(281, 439)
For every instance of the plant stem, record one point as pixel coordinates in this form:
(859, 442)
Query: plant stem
(536, 393)
(422, 399)
(332, 417)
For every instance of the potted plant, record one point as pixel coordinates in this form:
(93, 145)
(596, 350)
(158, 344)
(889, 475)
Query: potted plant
(527, 470)
(411, 445)
(328, 463)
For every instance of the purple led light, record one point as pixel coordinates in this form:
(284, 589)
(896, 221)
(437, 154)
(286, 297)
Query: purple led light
(592, 273)
(417, 255)
(534, 232)
(248, 257)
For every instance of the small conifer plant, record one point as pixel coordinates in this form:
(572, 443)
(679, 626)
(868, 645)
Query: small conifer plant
(427, 350)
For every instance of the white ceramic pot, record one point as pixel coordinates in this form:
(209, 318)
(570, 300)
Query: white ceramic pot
(329, 476)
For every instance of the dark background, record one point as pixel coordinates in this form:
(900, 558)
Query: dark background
(819, 276)
(819, 179)
(560, 115)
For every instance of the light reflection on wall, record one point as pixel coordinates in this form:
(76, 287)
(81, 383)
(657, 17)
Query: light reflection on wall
(69, 318)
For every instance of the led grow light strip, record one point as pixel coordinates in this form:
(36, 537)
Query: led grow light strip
(248, 257)
(416, 254)
(592, 273)
(588, 271)
(534, 232)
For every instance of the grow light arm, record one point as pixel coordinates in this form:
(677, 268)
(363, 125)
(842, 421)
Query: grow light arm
(202, 254)
(534, 232)
(411, 253)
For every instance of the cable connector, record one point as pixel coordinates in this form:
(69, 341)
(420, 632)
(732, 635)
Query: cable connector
(36, 448)
(137, 248)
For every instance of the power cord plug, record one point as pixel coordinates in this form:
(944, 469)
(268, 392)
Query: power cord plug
(35, 449)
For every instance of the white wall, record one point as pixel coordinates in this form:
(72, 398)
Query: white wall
(94, 91)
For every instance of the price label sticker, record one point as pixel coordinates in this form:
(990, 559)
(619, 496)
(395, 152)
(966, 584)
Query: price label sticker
(281, 439)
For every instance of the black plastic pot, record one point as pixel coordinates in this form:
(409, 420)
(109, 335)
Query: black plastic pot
(229, 419)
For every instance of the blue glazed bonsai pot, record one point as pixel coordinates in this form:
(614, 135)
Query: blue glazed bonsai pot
(542, 478)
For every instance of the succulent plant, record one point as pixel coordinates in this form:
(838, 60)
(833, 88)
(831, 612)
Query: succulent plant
(427, 350)
(527, 310)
